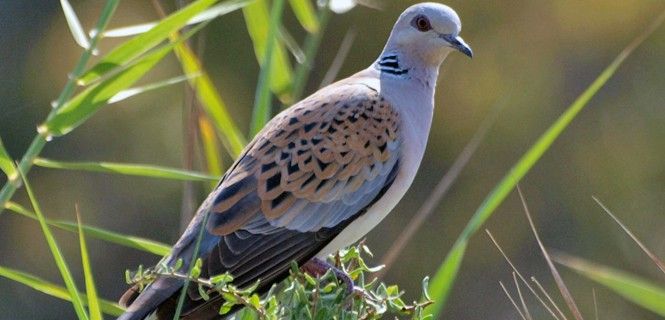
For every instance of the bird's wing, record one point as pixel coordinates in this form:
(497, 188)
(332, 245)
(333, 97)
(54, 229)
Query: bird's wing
(310, 172)
(313, 166)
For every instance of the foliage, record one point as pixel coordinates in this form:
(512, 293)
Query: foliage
(302, 296)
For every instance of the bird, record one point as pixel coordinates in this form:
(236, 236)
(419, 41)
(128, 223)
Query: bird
(319, 176)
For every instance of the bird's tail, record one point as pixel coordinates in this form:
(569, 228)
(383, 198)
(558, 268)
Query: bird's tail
(139, 306)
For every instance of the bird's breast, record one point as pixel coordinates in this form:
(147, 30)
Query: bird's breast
(414, 131)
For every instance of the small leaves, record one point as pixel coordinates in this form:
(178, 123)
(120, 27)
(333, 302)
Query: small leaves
(303, 296)
(75, 25)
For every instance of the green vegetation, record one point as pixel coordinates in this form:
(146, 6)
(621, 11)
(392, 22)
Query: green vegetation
(113, 77)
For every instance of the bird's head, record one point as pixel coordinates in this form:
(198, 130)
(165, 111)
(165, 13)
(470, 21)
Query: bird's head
(428, 31)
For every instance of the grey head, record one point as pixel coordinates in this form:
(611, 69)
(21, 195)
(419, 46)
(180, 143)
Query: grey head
(425, 34)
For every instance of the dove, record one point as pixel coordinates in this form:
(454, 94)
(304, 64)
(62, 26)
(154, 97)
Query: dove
(319, 176)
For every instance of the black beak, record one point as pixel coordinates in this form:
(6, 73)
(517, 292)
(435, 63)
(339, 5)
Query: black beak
(459, 44)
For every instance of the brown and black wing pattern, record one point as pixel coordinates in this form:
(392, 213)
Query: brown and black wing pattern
(310, 172)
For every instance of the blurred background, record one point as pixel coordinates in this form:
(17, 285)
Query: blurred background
(535, 57)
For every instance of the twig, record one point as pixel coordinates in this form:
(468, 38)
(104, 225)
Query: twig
(595, 302)
(555, 273)
(519, 274)
(519, 294)
(512, 300)
(549, 298)
(644, 248)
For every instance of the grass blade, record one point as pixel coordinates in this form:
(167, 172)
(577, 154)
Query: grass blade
(128, 93)
(142, 43)
(77, 302)
(512, 301)
(257, 19)
(51, 289)
(128, 241)
(93, 300)
(211, 151)
(567, 296)
(659, 263)
(84, 105)
(209, 14)
(306, 15)
(447, 273)
(519, 274)
(75, 25)
(640, 291)
(233, 140)
(291, 44)
(262, 103)
(7, 164)
(127, 169)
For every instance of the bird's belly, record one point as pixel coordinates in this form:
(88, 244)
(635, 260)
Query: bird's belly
(357, 229)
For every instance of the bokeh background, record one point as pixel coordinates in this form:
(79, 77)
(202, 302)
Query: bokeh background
(535, 56)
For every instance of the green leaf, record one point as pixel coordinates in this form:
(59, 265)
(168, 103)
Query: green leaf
(7, 164)
(640, 291)
(85, 104)
(140, 44)
(128, 93)
(54, 290)
(93, 300)
(77, 302)
(209, 14)
(306, 15)
(447, 273)
(74, 25)
(263, 102)
(257, 18)
(211, 101)
(133, 242)
(127, 169)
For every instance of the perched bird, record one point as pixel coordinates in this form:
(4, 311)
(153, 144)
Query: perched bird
(320, 175)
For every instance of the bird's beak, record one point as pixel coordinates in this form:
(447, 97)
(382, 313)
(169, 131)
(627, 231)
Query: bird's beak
(459, 44)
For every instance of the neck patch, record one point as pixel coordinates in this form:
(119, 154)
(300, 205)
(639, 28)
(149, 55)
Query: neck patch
(390, 64)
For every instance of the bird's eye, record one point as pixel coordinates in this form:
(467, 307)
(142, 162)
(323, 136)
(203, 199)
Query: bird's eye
(421, 23)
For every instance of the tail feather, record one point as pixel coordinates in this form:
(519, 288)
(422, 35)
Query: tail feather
(140, 306)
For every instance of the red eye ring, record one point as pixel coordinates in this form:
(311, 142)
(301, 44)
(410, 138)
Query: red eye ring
(421, 23)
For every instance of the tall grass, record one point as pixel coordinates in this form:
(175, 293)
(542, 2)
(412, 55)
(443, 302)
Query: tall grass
(112, 78)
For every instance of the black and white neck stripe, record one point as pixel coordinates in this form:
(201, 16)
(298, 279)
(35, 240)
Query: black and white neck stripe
(389, 63)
